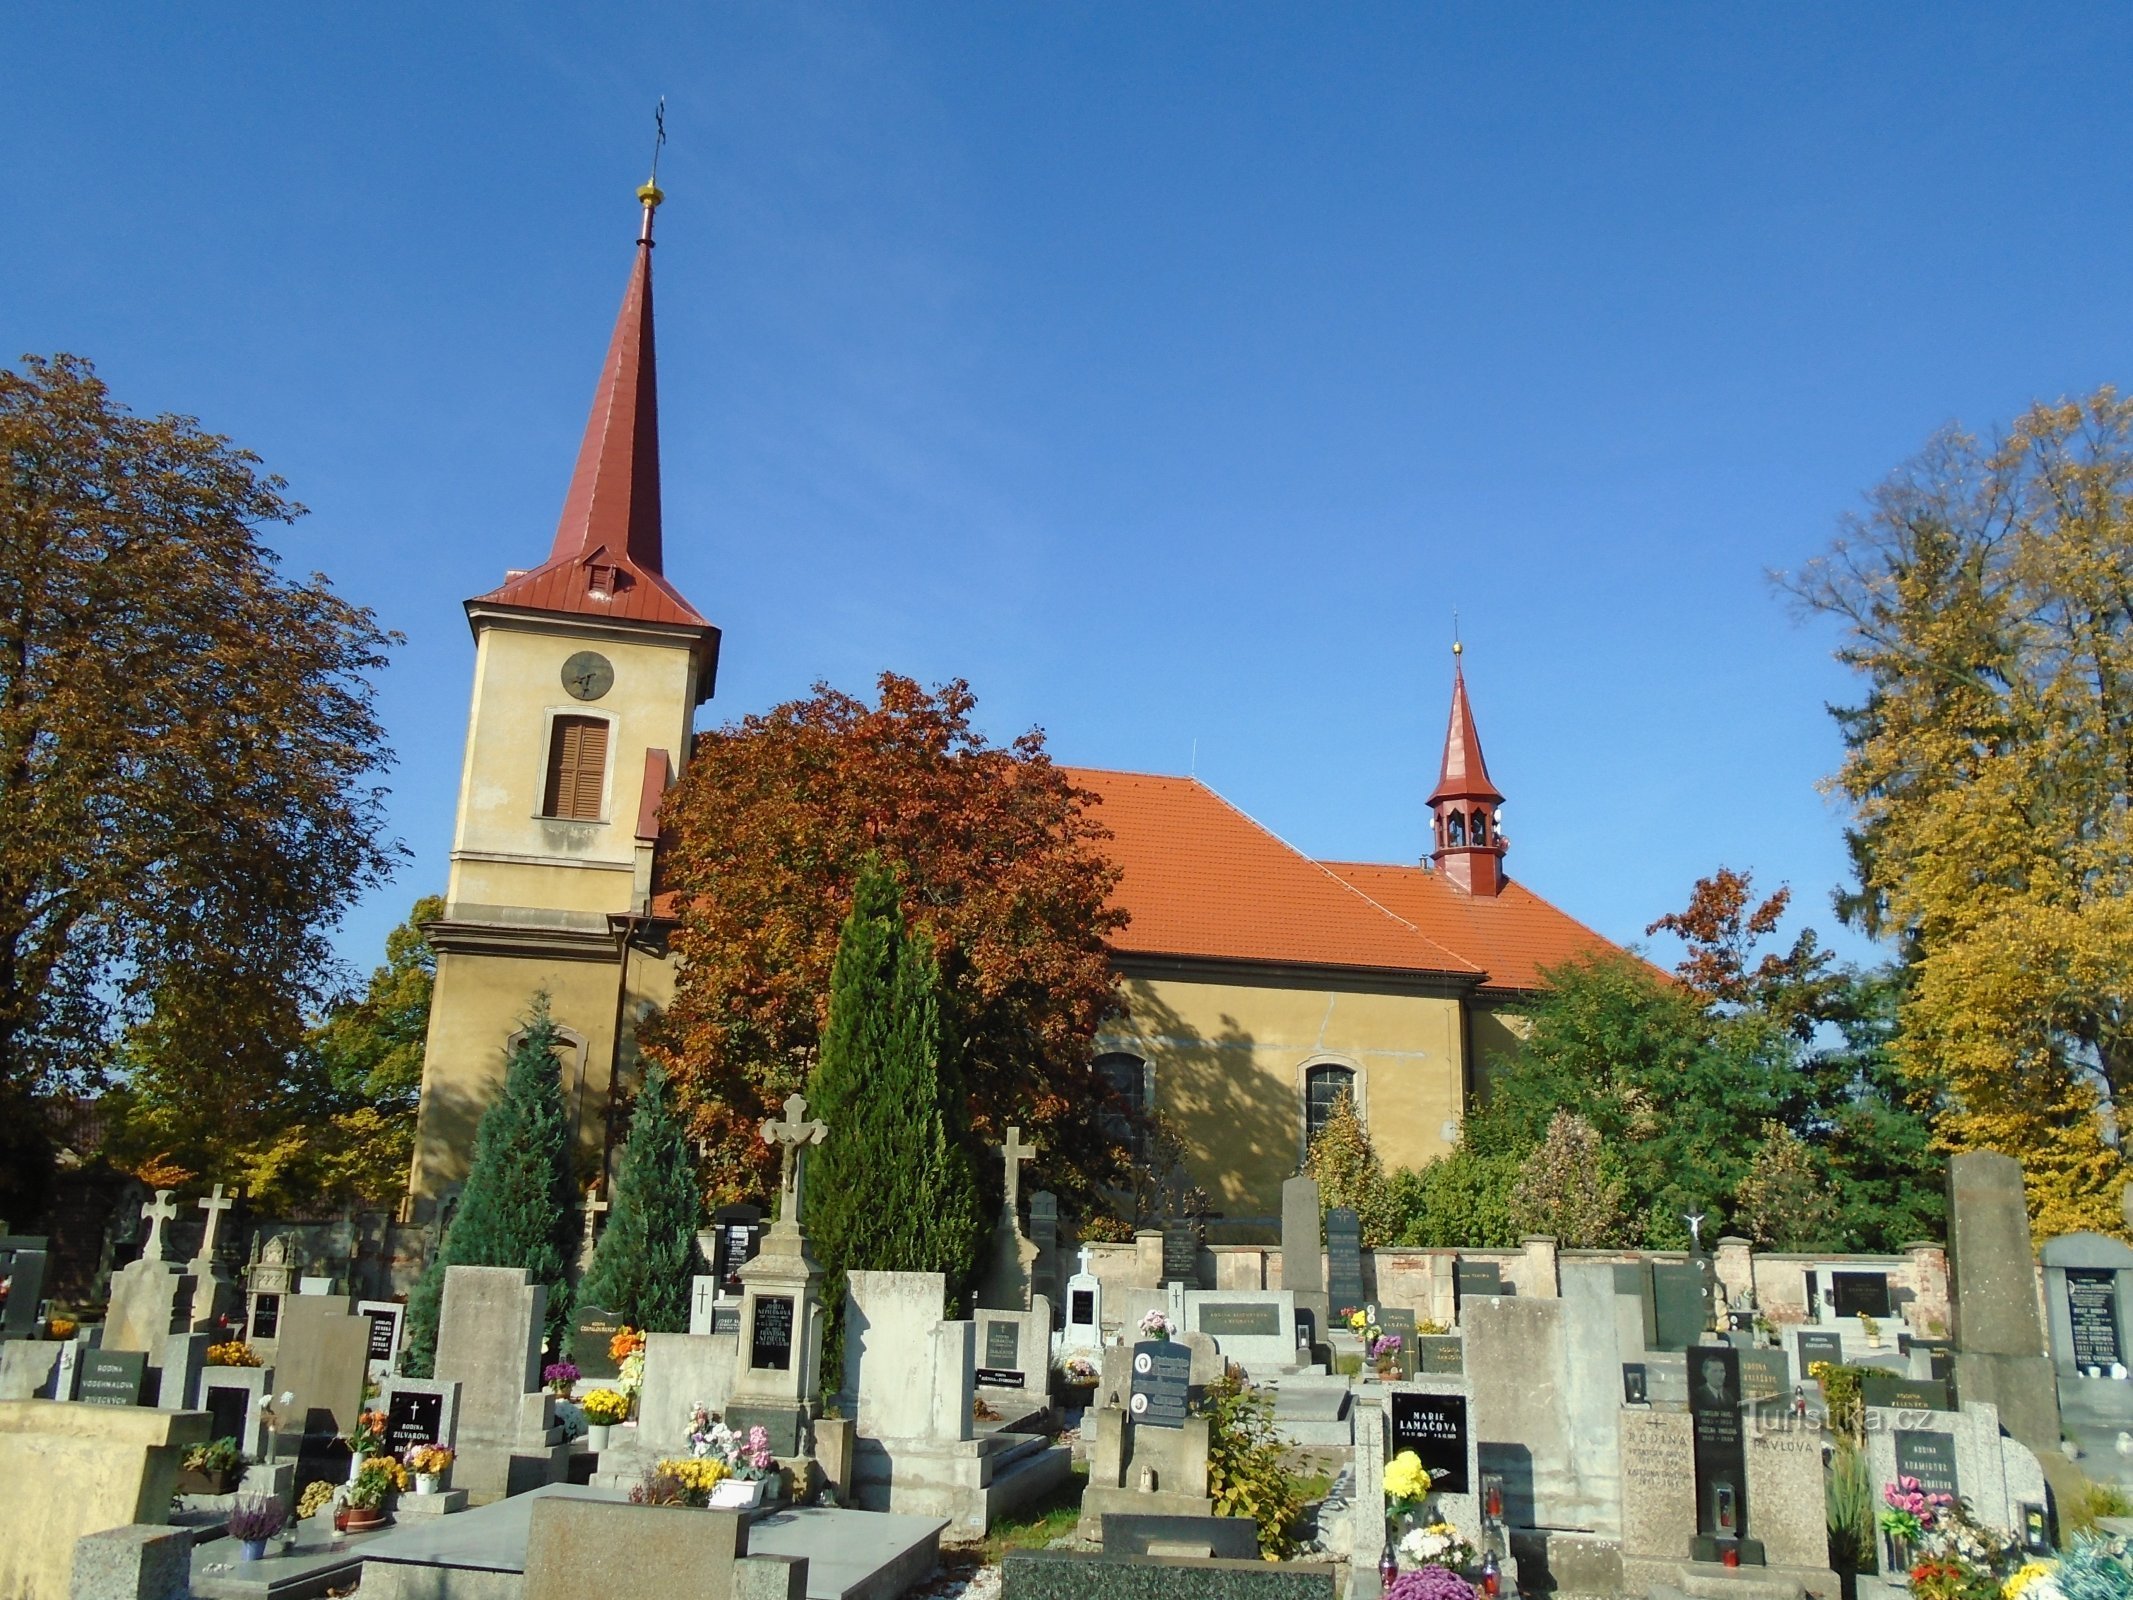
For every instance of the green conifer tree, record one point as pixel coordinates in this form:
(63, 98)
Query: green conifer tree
(642, 1267)
(891, 1189)
(516, 1208)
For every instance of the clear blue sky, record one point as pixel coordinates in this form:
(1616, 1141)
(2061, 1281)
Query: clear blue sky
(1171, 372)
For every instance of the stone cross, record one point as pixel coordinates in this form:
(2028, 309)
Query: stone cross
(1086, 1256)
(158, 1212)
(214, 1205)
(593, 1207)
(792, 1136)
(1012, 1155)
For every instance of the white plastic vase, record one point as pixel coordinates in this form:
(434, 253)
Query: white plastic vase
(596, 1434)
(738, 1494)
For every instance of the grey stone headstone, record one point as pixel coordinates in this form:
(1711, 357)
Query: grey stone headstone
(1303, 1266)
(1400, 1322)
(1991, 1267)
(1344, 1259)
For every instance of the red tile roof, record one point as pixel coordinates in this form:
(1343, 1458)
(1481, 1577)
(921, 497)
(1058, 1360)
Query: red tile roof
(1464, 775)
(1202, 879)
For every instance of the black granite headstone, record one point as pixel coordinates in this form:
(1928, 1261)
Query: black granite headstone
(1815, 1347)
(1440, 1355)
(113, 1377)
(1399, 1321)
(1433, 1426)
(737, 1233)
(384, 1334)
(1719, 1436)
(1162, 1374)
(1929, 1457)
(1181, 1253)
(1859, 1294)
(726, 1317)
(412, 1417)
(1344, 1260)
(1476, 1277)
(226, 1409)
(1044, 1234)
(1896, 1392)
(592, 1331)
(2092, 1308)
(1002, 1364)
(1081, 1307)
(266, 1315)
(770, 1340)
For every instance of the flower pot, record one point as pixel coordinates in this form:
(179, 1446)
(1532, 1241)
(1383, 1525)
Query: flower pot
(425, 1483)
(201, 1480)
(738, 1494)
(598, 1433)
(361, 1519)
(252, 1550)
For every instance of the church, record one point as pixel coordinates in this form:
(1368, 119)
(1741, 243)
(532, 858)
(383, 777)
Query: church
(1260, 985)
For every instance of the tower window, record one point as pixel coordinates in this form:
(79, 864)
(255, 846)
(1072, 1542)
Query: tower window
(577, 768)
(1323, 1088)
(1480, 834)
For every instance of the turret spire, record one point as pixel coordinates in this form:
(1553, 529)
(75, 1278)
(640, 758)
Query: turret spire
(1465, 804)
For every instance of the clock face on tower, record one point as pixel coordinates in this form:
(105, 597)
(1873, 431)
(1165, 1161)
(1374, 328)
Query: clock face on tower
(588, 675)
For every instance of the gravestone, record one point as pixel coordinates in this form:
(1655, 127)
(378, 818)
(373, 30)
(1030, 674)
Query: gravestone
(1679, 1304)
(1181, 1253)
(1815, 1347)
(1162, 1377)
(22, 1268)
(1900, 1392)
(1859, 1294)
(780, 1336)
(1434, 1427)
(150, 1298)
(2088, 1279)
(739, 1233)
(1009, 1277)
(322, 1359)
(1399, 1321)
(1764, 1375)
(592, 1331)
(1014, 1348)
(1929, 1456)
(2000, 1349)
(1044, 1234)
(1440, 1355)
(1344, 1260)
(1658, 1475)
(1303, 1267)
(703, 1296)
(1084, 1310)
(489, 1342)
(237, 1398)
(268, 1281)
(1256, 1328)
(1719, 1432)
(386, 1318)
(113, 1377)
(420, 1411)
(1962, 1453)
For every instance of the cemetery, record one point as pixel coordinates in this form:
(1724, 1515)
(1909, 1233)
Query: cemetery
(1548, 1420)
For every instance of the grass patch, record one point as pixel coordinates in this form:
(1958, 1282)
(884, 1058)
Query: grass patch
(2094, 1500)
(1348, 1366)
(1035, 1526)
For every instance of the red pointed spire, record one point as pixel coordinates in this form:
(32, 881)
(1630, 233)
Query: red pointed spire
(607, 557)
(1469, 837)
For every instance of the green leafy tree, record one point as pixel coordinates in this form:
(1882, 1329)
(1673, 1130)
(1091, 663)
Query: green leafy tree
(892, 1188)
(1460, 1200)
(1784, 1202)
(515, 1210)
(645, 1260)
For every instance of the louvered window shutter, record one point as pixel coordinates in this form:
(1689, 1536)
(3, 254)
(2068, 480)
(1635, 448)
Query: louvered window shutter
(577, 768)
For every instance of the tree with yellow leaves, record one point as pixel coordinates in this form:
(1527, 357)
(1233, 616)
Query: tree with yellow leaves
(1986, 595)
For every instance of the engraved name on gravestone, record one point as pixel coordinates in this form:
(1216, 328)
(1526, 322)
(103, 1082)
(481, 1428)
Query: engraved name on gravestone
(1720, 1441)
(1895, 1392)
(1815, 1347)
(412, 1417)
(592, 1333)
(1081, 1307)
(770, 1341)
(1764, 1375)
(113, 1377)
(2092, 1308)
(1240, 1319)
(1181, 1253)
(1344, 1259)
(1433, 1426)
(1002, 1368)
(1929, 1457)
(726, 1317)
(1162, 1376)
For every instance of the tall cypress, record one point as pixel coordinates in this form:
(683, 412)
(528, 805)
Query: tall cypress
(516, 1208)
(891, 1189)
(643, 1264)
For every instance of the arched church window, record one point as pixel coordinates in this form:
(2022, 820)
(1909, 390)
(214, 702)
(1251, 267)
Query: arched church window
(577, 769)
(1323, 1087)
(1455, 830)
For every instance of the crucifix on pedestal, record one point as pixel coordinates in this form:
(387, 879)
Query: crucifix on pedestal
(593, 1207)
(1012, 1155)
(792, 1137)
(158, 1212)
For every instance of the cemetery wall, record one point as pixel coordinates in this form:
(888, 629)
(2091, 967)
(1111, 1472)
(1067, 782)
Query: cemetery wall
(1229, 1055)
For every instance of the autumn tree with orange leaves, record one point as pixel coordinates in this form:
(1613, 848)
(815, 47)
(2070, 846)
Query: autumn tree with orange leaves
(1001, 866)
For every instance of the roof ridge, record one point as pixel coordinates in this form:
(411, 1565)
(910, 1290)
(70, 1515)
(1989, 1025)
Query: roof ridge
(1462, 964)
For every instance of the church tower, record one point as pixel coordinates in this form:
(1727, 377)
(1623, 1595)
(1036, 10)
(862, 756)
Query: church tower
(587, 673)
(1465, 805)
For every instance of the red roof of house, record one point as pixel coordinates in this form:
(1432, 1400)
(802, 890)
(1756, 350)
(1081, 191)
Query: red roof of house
(1202, 879)
(607, 561)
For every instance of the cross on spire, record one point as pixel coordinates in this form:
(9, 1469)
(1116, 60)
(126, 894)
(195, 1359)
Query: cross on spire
(1012, 1155)
(792, 1137)
(158, 1212)
(214, 1205)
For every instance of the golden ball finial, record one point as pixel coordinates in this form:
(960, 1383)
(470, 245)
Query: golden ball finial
(651, 194)
(1458, 649)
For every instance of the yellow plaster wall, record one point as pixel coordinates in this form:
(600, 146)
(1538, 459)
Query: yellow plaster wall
(480, 1001)
(1496, 1034)
(518, 689)
(1230, 1056)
